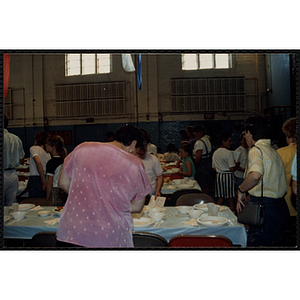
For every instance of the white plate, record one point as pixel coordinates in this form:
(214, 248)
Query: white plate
(57, 212)
(142, 222)
(23, 207)
(6, 218)
(212, 221)
(44, 213)
(184, 185)
(201, 206)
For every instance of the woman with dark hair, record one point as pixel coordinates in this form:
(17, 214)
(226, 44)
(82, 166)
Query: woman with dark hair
(287, 155)
(264, 173)
(38, 160)
(202, 157)
(55, 146)
(190, 133)
(188, 167)
(105, 183)
(171, 154)
(224, 165)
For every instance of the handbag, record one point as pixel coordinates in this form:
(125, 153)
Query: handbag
(253, 214)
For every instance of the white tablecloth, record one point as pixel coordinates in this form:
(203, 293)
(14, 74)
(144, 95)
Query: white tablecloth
(32, 224)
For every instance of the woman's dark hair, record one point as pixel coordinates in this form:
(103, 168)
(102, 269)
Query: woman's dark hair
(146, 135)
(129, 133)
(289, 128)
(110, 134)
(171, 148)
(190, 129)
(41, 137)
(242, 135)
(187, 148)
(199, 128)
(259, 127)
(184, 136)
(223, 136)
(58, 143)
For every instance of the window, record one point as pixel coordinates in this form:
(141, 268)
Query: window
(85, 64)
(206, 61)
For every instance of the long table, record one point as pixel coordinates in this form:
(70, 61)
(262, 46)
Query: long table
(172, 225)
(168, 189)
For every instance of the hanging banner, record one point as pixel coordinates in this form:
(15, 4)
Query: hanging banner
(127, 63)
(139, 71)
(6, 59)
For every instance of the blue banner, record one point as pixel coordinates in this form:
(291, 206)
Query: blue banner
(139, 71)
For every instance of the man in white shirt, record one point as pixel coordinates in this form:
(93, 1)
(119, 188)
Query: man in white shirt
(13, 156)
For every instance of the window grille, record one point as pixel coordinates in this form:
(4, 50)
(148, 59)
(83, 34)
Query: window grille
(207, 94)
(92, 99)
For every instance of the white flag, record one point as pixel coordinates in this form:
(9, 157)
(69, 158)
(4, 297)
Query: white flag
(127, 63)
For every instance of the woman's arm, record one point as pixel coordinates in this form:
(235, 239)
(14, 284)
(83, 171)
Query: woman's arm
(49, 186)
(294, 186)
(64, 181)
(137, 206)
(250, 181)
(40, 170)
(159, 184)
(189, 171)
(178, 163)
(198, 156)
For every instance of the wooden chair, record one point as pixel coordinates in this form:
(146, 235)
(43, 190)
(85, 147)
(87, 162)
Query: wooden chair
(37, 201)
(148, 240)
(200, 241)
(192, 199)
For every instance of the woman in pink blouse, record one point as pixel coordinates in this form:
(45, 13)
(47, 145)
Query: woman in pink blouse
(106, 182)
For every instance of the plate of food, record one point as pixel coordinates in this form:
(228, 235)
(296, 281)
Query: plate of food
(142, 222)
(58, 210)
(184, 185)
(212, 221)
(23, 207)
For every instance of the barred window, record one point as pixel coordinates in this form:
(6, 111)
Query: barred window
(206, 61)
(86, 64)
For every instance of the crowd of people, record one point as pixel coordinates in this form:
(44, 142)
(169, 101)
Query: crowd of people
(101, 183)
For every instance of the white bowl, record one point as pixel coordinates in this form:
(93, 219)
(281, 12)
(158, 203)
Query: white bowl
(57, 212)
(156, 216)
(201, 206)
(44, 213)
(183, 209)
(19, 215)
(195, 213)
(176, 181)
(154, 210)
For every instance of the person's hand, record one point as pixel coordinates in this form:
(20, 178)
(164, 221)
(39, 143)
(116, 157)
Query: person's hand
(239, 202)
(157, 194)
(44, 185)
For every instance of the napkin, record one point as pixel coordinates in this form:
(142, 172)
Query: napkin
(221, 208)
(171, 187)
(190, 222)
(52, 222)
(36, 208)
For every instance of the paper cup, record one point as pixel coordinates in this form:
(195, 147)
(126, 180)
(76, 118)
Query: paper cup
(15, 206)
